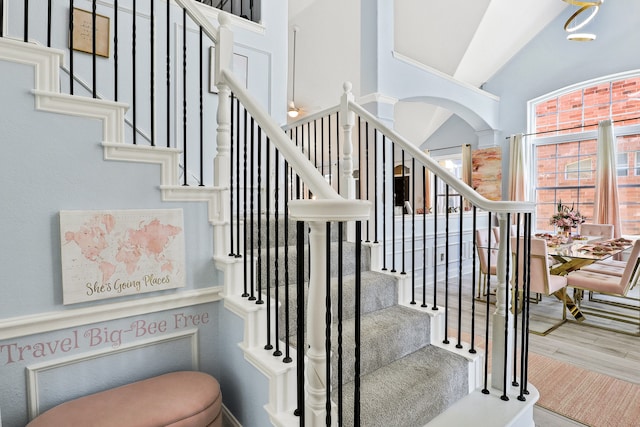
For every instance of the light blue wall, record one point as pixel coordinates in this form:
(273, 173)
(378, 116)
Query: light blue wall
(54, 162)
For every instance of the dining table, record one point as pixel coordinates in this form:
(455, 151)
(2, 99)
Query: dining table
(572, 253)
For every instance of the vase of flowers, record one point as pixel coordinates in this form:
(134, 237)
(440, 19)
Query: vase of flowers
(567, 218)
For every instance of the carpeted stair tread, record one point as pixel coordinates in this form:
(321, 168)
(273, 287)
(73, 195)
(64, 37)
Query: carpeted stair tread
(378, 291)
(410, 391)
(348, 262)
(386, 335)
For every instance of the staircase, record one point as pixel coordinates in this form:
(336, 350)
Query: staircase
(406, 376)
(400, 368)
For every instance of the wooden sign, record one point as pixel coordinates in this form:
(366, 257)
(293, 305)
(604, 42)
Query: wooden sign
(107, 254)
(83, 32)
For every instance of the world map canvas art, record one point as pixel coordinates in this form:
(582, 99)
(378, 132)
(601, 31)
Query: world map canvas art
(107, 254)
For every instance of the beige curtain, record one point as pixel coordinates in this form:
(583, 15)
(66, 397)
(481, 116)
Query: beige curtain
(466, 170)
(518, 168)
(606, 209)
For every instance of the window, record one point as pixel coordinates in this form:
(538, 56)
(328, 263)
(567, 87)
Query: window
(565, 147)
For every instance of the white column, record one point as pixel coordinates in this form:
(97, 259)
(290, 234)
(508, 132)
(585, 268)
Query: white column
(221, 165)
(502, 316)
(347, 182)
(317, 213)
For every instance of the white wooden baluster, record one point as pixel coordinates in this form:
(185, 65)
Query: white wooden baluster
(348, 183)
(316, 213)
(502, 314)
(224, 51)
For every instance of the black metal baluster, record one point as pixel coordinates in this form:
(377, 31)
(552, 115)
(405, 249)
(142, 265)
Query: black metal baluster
(424, 241)
(93, 49)
(358, 315)
(375, 186)
(276, 333)
(337, 150)
(245, 210)
(435, 245)
(485, 389)
(460, 243)
(168, 72)
(472, 348)
(366, 159)
(152, 74)
(384, 203)
(115, 51)
(258, 218)
(446, 267)
(322, 145)
(504, 396)
(48, 21)
(393, 204)
(133, 75)
(329, 149)
(231, 144)
(300, 317)
(327, 324)
(70, 47)
(516, 296)
(340, 315)
(250, 189)
(403, 220)
(288, 358)
(26, 21)
(526, 297)
(201, 111)
(238, 253)
(184, 92)
(413, 231)
(2, 17)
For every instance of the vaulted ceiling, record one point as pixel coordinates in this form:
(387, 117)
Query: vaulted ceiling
(469, 40)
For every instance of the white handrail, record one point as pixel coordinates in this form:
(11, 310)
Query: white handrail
(196, 15)
(460, 186)
(303, 167)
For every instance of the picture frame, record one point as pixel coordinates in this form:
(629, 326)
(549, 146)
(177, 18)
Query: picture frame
(239, 66)
(82, 34)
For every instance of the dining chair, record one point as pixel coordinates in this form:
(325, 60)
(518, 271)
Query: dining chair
(486, 270)
(540, 280)
(602, 282)
(597, 230)
(606, 283)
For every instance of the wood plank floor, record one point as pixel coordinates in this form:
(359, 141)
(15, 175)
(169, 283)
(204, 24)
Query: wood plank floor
(607, 352)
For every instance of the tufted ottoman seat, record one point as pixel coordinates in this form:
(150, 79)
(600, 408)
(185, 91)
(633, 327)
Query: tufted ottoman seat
(177, 399)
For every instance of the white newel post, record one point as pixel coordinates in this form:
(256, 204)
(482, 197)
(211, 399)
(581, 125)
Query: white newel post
(502, 315)
(347, 183)
(221, 165)
(316, 213)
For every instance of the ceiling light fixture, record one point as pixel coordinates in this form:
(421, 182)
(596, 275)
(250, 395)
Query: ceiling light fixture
(574, 22)
(293, 111)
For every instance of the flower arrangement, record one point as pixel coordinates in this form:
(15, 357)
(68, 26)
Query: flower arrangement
(567, 217)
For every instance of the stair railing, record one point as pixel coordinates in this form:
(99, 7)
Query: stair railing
(377, 151)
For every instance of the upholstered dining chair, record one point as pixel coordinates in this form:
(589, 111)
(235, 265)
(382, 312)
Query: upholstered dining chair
(605, 283)
(486, 270)
(541, 281)
(597, 230)
(610, 284)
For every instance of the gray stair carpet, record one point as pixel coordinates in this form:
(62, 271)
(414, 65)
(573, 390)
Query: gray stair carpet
(405, 381)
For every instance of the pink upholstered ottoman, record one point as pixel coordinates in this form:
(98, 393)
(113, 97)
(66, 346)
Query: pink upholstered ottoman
(177, 399)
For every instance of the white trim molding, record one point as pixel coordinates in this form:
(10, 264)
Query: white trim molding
(53, 321)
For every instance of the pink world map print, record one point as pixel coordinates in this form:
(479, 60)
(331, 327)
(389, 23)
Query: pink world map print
(108, 254)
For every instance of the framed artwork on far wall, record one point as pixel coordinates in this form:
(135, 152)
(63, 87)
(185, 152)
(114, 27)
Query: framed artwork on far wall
(82, 35)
